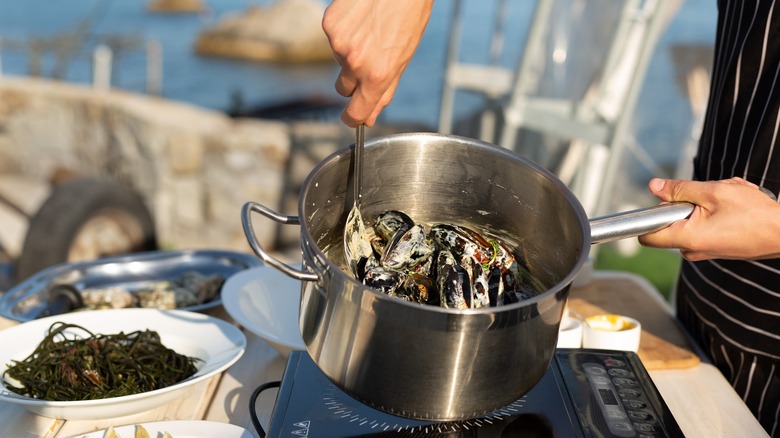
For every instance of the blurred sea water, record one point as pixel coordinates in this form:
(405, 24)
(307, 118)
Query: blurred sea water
(662, 121)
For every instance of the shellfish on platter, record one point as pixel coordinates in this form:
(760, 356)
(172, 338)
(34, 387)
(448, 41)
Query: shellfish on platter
(188, 289)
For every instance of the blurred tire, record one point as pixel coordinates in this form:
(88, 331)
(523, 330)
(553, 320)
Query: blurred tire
(84, 219)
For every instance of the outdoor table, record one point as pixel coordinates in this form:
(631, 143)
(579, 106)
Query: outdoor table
(701, 400)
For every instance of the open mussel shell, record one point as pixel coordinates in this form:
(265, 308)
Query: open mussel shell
(407, 249)
(390, 222)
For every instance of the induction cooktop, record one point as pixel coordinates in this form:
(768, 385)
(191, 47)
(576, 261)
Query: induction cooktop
(585, 393)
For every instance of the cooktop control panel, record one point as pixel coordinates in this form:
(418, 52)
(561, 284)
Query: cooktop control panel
(613, 395)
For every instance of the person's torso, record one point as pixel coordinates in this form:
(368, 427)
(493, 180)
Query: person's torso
(740, 134)
(740, 300)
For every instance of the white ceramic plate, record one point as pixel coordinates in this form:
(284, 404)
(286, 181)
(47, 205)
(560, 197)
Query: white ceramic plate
(266, 302)
(179, 429)
(217, 342)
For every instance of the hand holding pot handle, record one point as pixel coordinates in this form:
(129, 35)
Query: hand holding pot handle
(251, 237)
(637, 222)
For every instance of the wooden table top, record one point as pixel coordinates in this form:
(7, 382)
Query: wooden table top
(716, 411)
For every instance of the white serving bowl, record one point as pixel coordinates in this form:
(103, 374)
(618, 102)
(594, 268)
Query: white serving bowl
(267, 303)
(218, 343)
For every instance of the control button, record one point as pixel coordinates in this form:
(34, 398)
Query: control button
(629, 392)
(634, 404)
(640, 416)
(595, 370)
(614, 363)
(600, 380)
(644, 427)
(623, 381)
(620, 372)
(616, 414)
(620, 426)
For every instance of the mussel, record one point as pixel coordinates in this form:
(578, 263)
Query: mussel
(407, 250)
(450, 266)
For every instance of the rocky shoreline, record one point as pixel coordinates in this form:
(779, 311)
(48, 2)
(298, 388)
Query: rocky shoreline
(286, 31)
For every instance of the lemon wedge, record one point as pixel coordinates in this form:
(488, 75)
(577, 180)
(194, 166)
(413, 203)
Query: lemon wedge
(140, 432)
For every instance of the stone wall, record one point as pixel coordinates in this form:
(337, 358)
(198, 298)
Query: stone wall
(194, 167)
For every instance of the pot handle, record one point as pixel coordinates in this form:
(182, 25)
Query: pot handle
(246, 221)
(637, 222)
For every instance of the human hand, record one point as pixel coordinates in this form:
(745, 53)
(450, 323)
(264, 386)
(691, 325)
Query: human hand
(732, 219)
(373, 42)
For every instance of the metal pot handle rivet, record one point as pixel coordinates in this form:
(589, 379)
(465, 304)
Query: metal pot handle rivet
(246, 221)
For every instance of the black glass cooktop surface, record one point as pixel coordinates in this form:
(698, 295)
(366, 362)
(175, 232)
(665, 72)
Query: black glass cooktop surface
(585, 393)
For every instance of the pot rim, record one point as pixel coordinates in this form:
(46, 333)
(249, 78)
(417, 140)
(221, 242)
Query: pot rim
(470, 142)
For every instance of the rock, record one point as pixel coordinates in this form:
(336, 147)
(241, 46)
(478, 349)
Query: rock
(286, 31)
(194, 167)
(175, 6)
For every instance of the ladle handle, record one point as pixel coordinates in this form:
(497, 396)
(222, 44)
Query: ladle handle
(251, 237)
(637, 222)
(360, 136)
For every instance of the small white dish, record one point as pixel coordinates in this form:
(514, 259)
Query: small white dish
(179, 429)
(267, 303)
(218, 343)
(611, 332)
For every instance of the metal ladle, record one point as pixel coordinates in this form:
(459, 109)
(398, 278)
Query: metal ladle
(356, 247)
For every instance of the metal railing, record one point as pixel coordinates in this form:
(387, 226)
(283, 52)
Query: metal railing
(105, 56)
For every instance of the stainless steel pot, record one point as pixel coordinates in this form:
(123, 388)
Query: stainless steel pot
(422, 361)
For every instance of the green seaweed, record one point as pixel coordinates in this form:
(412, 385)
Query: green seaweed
(98, 366)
